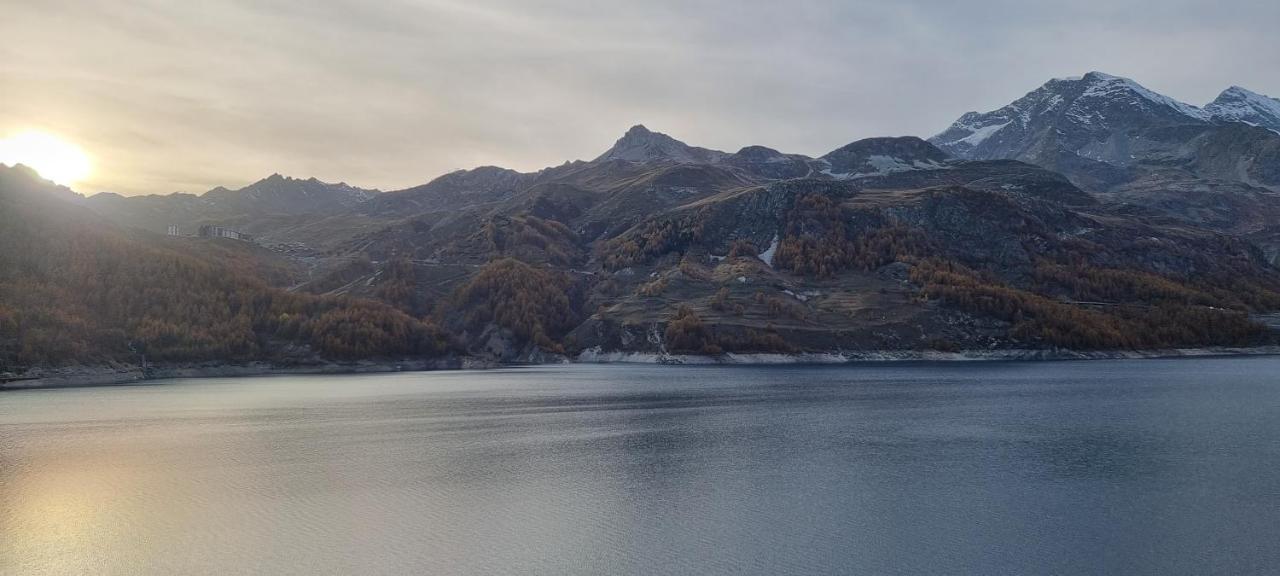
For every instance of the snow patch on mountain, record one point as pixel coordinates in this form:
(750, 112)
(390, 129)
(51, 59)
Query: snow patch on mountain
(767, 255)
(980, 135)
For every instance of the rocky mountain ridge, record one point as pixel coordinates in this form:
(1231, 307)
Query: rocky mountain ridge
(271, 199)
(1037, 234)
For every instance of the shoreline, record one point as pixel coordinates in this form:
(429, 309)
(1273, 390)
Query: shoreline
(1029, 355)
(88, 376)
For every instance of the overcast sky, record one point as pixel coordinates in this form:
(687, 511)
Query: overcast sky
(184, 96)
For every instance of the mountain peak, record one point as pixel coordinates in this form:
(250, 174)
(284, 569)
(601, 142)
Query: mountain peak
(24, 171)
(885, 155)
(759, 153)
(282, 194)
(1079, 110)
(638, 130)
(1122, 90)
(640, 144)
(1238, 104)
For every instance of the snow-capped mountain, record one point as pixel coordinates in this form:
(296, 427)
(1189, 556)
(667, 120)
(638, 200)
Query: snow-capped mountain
(1238, 104)
(1103, 131)
(641, 145)
(1076, 114)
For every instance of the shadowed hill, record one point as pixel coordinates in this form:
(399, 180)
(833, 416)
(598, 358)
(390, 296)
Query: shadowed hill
(74, 290)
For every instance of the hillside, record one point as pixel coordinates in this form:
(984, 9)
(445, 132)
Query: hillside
(75, 290)
(887, 245)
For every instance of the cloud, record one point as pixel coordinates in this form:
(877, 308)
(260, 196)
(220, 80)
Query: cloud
(185, 96)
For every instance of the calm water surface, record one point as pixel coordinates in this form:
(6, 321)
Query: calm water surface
(1146, 467)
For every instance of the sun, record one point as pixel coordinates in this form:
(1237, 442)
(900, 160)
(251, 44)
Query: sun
(54, 158)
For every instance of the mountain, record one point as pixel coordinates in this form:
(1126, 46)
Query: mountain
(764, 162)
(261, 207)
(641, 145)
(659, 248)
(452, 191)
(1216, 167)
(1104, 131)
(882, 244)
(1237, 104)
(1077, 111)
(869, 267)
(278, 194)
(877, 156)
(1096, 118)
(76, 290)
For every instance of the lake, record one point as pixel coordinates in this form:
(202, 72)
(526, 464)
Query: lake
(1120, 467)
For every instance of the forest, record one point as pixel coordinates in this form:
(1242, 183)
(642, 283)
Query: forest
(77, 291)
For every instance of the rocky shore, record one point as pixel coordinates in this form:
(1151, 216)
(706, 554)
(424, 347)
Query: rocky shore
(75, 376)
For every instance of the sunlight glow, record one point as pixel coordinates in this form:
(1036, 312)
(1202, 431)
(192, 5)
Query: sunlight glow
(55, 159)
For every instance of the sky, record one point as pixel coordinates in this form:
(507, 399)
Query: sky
(168, 96)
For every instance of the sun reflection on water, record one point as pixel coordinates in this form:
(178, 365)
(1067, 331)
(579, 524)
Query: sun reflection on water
(51, 513)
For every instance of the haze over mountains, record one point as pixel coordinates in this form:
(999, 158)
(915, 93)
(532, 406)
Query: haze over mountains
(1090, 214)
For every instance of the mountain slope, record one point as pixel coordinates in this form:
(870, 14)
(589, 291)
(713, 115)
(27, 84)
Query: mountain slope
(658, 247)
(884, 243)
(850, 268)
(452, 191)
(77, 290)
(1141, 152)
(1103, 131)
(878, 156)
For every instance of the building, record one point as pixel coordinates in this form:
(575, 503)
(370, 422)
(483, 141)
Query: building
(212, 231)
(174, 230)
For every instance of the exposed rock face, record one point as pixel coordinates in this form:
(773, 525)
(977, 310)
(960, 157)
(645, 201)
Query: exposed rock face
(1223, 205)
(1233, 151)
